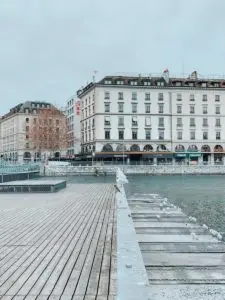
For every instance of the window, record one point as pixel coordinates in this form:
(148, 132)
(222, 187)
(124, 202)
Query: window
(134, 96)
(107, 81)
(161, 122)
(218, 122)
(217, 110)
(192, 122)
(27, 137)
(93, 122)
(204, 97)
(107, 95)
(119, 82)
(179, 97)
(120, 107)
(133, 83)
(147, 121)
(161, 135)
(147, 96)
(134, 108)
(179, 109)
(27, 120)
(160, 83)
(121, 121)
(134, 135)
(120, 95)
(217, 98)
(179, 122)
(147, 83)
(148, 134)
(107, 135)
(160, 108)
(121, 135)
(192, 109)
(93, 109)
(107, 121)
(192, 135)
(192, 97)
(134, 121)
(205, 135)
(35, 120)
(205, 122)
(147, 108)
(204, 109)
(27, 145)
(107, 107)
(179, 135)
(160, 96)
(218, 135)
(27, 128)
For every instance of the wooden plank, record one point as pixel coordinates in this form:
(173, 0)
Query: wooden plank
(58, 279)
(77, 268)
(66, 248)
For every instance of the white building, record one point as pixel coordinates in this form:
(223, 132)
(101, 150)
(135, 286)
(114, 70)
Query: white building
(15, 142)
(154, 119)
(73, 118)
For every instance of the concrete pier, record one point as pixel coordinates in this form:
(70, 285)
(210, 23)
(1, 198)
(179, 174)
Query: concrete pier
(182, 259)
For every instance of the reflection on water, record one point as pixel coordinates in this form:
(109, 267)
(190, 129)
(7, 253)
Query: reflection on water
(199, 196)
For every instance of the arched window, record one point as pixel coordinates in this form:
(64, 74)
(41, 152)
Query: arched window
(218, 148)
(57, 154)
(205, 148)
(27, 156)
(179, 148)
(148, 148)
(161, 148)
(120, 148)
(192, 148)
(134, 148)
(107, 148)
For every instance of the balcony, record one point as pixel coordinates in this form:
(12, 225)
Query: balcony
(179, 125)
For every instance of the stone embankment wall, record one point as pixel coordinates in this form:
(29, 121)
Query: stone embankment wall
(139, 169)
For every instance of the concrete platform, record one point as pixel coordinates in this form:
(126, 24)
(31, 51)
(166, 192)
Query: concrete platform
(179, 265)
(32, 186)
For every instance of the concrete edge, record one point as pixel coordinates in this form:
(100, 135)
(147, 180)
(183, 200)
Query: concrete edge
(132, 279)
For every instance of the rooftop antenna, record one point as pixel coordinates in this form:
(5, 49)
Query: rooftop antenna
(94, 75)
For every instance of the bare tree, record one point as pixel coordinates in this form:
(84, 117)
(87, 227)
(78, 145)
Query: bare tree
(49, 131)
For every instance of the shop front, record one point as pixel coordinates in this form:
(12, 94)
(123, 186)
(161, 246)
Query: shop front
(193, 157)
(157, 158)
(180, 157)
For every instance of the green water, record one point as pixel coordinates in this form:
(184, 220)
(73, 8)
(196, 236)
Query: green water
(200, 196)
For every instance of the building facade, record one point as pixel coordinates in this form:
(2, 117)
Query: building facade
(73, 118)
(154, 119)
(16, 143)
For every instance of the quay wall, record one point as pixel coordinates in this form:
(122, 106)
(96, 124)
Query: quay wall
(133, 169)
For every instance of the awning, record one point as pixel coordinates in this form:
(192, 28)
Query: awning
(181, 155)
(157, 155)
(194, 154)
(110, 155)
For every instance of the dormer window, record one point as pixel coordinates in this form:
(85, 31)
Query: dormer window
(108, 82)
(120, 82)
(160, 83)
(133, 83)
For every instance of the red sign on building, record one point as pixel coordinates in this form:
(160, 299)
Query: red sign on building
(77, 105)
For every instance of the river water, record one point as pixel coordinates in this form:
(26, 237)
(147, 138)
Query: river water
(200, 196)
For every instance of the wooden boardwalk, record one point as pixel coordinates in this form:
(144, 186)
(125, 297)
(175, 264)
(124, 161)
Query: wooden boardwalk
(60, 246)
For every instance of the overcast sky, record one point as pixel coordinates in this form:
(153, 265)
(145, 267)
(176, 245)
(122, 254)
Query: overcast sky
(49, 48)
